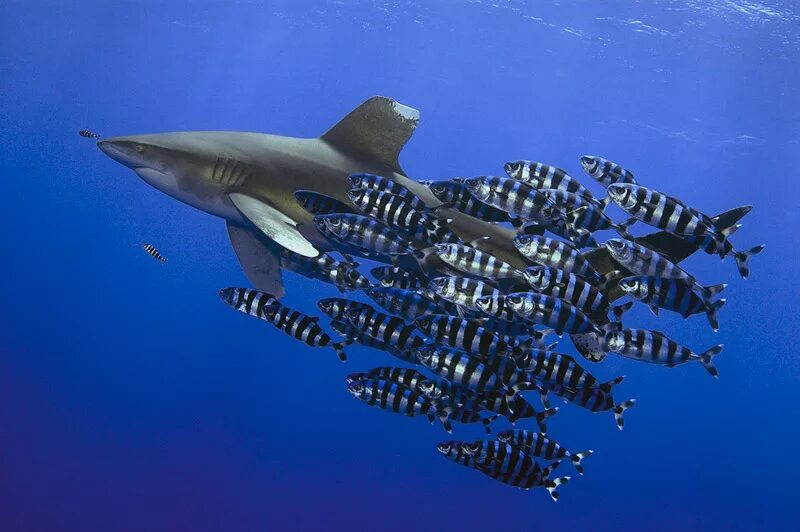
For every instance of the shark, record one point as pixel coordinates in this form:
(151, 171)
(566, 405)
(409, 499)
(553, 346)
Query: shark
(248, 179)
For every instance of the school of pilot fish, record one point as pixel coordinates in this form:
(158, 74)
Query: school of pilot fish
(473, 337)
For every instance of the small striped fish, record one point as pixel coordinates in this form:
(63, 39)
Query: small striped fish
(462, 291)
(342, 275)
(552, 312)
(249, 301)
(348, 331)
(581, 215)
(410, 378)
(545, 176)
(549, 367)
(302, 327)
(515, 408)
(472, 261)
(85, 133)
(644, 261)
(594, 399)
(452, 451)
(396, 277)
(606, 172)
(538, 444)
(394, 397)
(565, 285)
(664, 212)
(405, 303)
(388, 329)
(384, 184)
(518, 199)
(317, 203)
(464, 370)
(556, 254)
(454, 194)
(363, 232)
(656, 348)
(558, 227)
(462, 334)
(709, 245)
(153, 252)
(670, 294)
(453, 405)
(336, 307)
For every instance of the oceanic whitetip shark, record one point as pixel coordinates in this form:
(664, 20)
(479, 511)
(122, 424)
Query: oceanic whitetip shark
(249, 180)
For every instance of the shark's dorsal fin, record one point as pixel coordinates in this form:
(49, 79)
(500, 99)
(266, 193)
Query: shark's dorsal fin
(378, 129)
(260, 259)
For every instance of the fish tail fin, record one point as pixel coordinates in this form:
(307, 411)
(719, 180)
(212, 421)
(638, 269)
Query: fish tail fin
(743, 257)
(622, 228)
(547, 471)
(619, 310)
(542, 416)
(710, 291)
(608, 386)
(339, 348)
(711, 313)
(729, 231)
(603, 203)
(577, 457)
(552, 486)
(707, 360)
(445, 421)
(610, 279)
(487, 423)
(620, 409)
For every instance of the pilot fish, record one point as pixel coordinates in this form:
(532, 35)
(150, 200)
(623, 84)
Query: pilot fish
(388, 329)
(396, 277)
(405, 303)
(348, 331)
(594, 399)
(153, 252)
(552, 312)
(644, 261)
(473, 261)
(556, 254)
(606, 172)
(363, 232)
(317, 203)
(384, 184)
(246, 300)
(559, 283)
(302, 327)
(454, 194)
(545, 176)
(518, 199)
(538, 444)
(343, 275)
(656, 348)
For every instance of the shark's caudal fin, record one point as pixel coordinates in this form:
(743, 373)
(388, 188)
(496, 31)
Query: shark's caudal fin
(273, 223)
(260, 259)
(378, 129)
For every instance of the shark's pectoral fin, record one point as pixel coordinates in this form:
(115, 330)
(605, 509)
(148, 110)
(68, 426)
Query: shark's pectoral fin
(260, 259)
(378, 129)
(274, 224)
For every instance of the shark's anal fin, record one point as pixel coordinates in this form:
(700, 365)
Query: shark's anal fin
(273, 223)
(260, 259)
(378, 129)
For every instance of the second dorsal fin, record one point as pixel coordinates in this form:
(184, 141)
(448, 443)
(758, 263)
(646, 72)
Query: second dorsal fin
(377, 129)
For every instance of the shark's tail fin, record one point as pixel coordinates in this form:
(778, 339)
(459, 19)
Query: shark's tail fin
(711, 312)
(706, 359)
(743, 257)
(620, 409)
(577, 457)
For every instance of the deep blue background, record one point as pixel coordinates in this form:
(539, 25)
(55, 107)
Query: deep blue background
(131, 398)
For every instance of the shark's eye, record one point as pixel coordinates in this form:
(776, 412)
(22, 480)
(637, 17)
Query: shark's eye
(138, 147)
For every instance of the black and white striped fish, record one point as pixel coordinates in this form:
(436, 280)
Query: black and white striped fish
(251, 302)
(670, 294)
(606, 172)
(453, 405)
(708, 244)
(466, 371)
(317, 203)
(394, 397)
(545, 176)
(562, 284)
(462, 291)
(558, 227)
(472, 261)
(363, 232)
(396, 277)
(664, 212)
(454, 194)
(552, 312)
(551, 368)
(595, 399)
(656, 348)
(394, 211)
(582, 216)
(384, 184)
(325, 268)
(452, 451)
(388, 329)
(644, 261)
(408, 377)
(511, 465)
(462, 334)
(518, 199)
(85, 133)
(348, 331)
(405, 303)
(556, 254)
(336, 307)
(153, 252)
(538, 444)
(303, 327)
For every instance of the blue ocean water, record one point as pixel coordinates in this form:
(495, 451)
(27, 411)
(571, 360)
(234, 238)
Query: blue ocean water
(133, 399)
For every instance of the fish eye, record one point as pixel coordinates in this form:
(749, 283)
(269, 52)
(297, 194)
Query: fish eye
(438, 188)
(444, 448)
(516, 300)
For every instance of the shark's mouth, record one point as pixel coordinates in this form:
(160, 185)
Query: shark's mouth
(160, 180)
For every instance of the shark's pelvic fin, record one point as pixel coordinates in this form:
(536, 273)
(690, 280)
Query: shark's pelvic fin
(378, 129)
(259, 258)
(274, 224)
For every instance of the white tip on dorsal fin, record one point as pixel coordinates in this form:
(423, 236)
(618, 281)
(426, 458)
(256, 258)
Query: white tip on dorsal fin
(377, 129)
